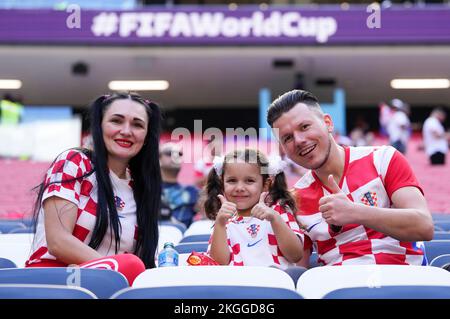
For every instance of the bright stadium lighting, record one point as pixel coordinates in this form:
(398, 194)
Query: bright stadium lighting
(159, 85)
(8, 84)
(420, 84)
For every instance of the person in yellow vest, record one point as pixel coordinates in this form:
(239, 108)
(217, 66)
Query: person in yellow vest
(11, 111)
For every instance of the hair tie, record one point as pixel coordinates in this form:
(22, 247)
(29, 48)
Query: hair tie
(218, 164)
(276, 165)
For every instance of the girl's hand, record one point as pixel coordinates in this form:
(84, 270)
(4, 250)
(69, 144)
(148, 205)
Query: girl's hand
(262, 211)
(226, 211)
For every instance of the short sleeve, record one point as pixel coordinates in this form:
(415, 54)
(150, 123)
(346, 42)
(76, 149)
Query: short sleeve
(64, 177)
(399, 174)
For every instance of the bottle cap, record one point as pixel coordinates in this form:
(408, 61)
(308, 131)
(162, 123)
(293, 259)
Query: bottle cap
(169, 244)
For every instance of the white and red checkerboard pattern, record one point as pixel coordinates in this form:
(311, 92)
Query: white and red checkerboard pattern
(378, 171)
(262, 249)
(83, 193)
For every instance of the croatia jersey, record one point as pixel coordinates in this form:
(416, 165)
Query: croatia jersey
(252, 241)
(83, 193)
(371, 175)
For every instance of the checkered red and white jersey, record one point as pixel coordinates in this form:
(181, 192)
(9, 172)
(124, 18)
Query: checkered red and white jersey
(83, 193)
(252, 241)
(371, 175)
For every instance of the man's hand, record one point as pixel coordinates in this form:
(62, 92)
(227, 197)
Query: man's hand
(336, 208)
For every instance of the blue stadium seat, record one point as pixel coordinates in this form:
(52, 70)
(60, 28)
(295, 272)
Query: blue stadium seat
(7, 225)
(313, 260)
(441, 235)
(436, 248)
(6, 263)
(190, 247)
(442, 225)
(440, 261)
(103, 283)
(207, 292)
(195, 238)
(23, 291)
(180, 226)
(391, 292)
(22, 230)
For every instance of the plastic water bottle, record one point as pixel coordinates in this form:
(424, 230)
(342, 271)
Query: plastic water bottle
(168, 256)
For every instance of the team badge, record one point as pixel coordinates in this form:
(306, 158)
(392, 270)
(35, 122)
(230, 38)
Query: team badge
(370, 199)
(120, 204)
(253, 230)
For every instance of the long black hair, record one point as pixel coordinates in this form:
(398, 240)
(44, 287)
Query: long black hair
(277, 188)
(146, 184)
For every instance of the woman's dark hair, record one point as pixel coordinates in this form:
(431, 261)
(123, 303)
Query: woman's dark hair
(146, 184)
(277, 188)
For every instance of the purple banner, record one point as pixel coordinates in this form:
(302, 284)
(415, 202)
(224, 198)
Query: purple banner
(207, 26)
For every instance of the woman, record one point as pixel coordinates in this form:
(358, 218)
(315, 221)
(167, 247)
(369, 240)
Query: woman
(104, 202)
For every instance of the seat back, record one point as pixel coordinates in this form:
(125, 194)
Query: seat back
(168, 233)
(200, 227)
(192, 246)
(436, 248)
(23, 291)
(16, 247)
(207, 292)
(7, 225)
(439, 235)
(103, 283)
(317, 282)
(6, 263)
(214, 276)
(391, 292)
(195, 238)
(441, 261)
(442, 225)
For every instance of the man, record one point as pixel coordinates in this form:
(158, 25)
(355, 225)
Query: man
(359, 205)
(435, 138)
(399, 126)
(178, 201)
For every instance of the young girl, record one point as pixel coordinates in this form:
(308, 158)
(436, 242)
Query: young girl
(253, 212)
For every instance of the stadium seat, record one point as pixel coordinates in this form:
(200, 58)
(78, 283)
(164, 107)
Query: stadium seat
(6, 263)
(180, 225)
(23, 291)
(207, 292)
(168, 233)
(317, 282)
(7, 225)
(197, 238)
(439, 235)
(442, 225)
(190, 247)
(214, 276)
(313, 260)
(22, 230)
(103, 283)
(200, 227)
(436, 248)
(391, 292)
(440, 261)
(16, 247)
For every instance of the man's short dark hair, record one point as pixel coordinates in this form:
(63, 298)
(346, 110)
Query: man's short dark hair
(287, 101)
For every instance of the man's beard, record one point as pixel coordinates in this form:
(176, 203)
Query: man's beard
(327, 155)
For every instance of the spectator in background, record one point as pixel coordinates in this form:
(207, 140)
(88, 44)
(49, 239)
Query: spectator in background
(435, 138)
(178, 201)
(214, 147)
(11, 110)
(361, 135)
(399, 126)
(359, 205)
(104, 202)
(386, 112)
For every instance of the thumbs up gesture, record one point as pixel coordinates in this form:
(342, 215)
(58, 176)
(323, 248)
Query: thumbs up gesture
(262, 211)
(336, 208)
(226, 211)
